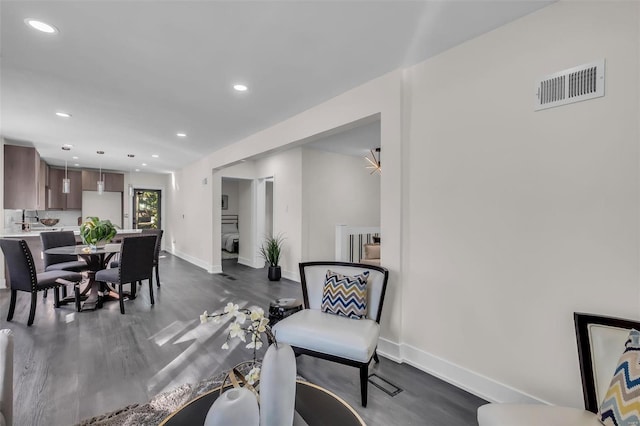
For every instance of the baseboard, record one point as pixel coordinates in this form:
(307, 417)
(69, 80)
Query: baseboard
(212, 269)
(472, 382)
(246, 262)
(290, 275)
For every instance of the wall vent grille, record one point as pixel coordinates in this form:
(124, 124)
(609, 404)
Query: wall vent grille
(572, 85)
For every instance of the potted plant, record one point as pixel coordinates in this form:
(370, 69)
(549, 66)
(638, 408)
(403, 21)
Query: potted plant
(271, 250)
(95, 232)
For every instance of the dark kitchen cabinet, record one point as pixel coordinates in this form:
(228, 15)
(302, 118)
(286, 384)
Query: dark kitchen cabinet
(22, 173)
(59, 201)
(113, 182)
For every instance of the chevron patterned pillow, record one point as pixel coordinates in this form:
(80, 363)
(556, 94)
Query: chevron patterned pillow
(621, 405)
(345, 295)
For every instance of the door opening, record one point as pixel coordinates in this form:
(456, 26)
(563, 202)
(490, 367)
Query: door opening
(146, 209)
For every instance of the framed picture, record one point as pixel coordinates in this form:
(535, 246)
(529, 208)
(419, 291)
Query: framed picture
(225, 202)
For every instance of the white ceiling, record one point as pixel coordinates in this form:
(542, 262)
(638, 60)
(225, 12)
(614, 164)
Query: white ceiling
(133, 73)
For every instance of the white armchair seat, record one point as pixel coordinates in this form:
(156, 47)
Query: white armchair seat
(311, 329)
(534, 415)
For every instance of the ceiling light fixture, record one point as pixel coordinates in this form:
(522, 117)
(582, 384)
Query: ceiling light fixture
(131, 191)
(181, 135)
(240, 87)
(100, 181)
(144, 164)
(66, 182)
(74, 158)
(155, 155)
(41, 26)
(63, 114)
(374, 163)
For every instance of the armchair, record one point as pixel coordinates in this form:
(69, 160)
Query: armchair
(601, 341)
(337, 338)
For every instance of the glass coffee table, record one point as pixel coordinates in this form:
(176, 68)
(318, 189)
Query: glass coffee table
(316, 405)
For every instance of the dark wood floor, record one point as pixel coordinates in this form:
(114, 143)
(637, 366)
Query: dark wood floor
(70, 366)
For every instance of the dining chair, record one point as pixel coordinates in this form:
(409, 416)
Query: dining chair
(324, 328)
(136, 264)
(60, 262)
(23, 276)
(156, 254)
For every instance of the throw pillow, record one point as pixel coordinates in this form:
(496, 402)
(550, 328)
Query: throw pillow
(621, 405)
(345, 295)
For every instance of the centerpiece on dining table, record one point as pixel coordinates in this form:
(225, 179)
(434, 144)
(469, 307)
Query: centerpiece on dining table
(96, 233)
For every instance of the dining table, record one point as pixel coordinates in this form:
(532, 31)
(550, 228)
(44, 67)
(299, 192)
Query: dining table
(97, 258)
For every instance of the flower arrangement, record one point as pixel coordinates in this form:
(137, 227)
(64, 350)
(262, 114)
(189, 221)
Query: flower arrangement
(248, 324)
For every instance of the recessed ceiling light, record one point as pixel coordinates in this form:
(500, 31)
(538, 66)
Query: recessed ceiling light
(74, 157)
(41, 26)
(144, 164)
(77, 165)
(137, 170)
(181, 135)
(67, 145)
(155, 155)
(240, 87)
(63, 114)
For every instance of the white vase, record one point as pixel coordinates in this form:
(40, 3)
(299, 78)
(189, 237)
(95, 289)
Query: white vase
(235, 407)
(278, 386)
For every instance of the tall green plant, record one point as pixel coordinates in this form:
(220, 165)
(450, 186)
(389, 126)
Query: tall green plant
(271, 249)
(94, 230)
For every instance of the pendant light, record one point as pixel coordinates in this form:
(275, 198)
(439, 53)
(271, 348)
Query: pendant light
(130, 177)
(100, 180)
(66, 182)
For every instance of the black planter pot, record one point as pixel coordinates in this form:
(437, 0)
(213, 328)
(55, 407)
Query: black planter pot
(274, 273)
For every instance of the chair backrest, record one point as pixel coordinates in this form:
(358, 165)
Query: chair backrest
(313, 274)
(601, 341)
(158, 233)
(22, 269)
(55, 239)
(6, 375)
(136, 258)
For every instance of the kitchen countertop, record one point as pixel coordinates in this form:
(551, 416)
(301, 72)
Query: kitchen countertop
(35, 232)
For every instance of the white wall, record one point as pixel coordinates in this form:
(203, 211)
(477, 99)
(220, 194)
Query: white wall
(246, 221)
(3, 283)
(338, 190)
(519, 218)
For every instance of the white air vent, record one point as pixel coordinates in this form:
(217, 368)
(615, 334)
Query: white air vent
(573, 85)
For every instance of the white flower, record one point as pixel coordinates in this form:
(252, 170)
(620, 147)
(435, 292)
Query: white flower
(262, 327)
(256, 342)
(240, 317)
(256, 313)
(217, 319)
(230, 309)
(253, 375)
(225, 346)
(204, 317)
(236, 331)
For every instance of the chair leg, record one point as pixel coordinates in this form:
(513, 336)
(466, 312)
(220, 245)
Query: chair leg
(64, 291)
(76, 291)
(134, 289)
(121, 296)
(364, 380)
(32, 312)
(151, 291)
(157, 277)
(56, 297)
(44, 294)
(12, 304)
(375, 357)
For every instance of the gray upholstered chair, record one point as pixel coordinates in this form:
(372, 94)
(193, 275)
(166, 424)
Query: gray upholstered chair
(23, 276)
(333, 337)
(136, 264)
(156, 254)
(60, 262)
(6, 377)
(601, 342)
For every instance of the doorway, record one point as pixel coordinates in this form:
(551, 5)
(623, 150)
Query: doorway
(146, 209)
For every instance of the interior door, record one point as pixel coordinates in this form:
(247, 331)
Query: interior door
(146, 209)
